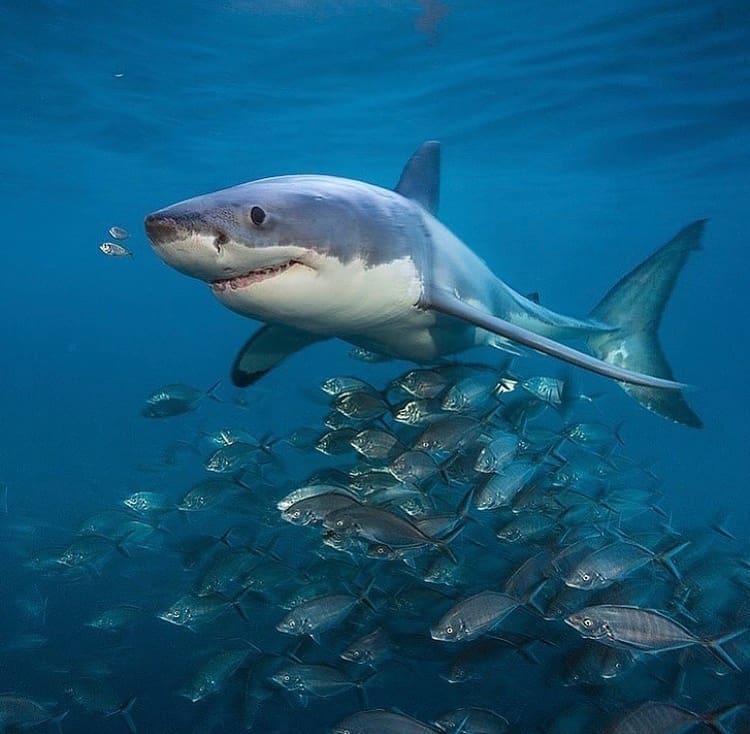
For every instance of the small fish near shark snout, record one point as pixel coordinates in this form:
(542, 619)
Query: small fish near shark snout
(317, 257)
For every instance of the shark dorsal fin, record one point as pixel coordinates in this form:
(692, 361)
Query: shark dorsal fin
(420, 179)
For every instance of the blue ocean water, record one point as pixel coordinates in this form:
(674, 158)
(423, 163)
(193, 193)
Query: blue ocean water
(576, 139)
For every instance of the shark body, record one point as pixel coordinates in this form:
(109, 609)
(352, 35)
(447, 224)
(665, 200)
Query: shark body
(316, 257)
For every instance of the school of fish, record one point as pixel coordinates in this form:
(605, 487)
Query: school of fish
(464, 550)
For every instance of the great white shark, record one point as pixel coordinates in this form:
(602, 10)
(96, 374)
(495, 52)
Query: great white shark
(316, 257)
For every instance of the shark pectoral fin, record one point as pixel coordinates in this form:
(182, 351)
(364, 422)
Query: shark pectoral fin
(451, 306)
(265, 349)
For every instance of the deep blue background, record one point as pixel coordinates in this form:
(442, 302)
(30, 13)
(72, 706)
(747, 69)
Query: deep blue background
(577, 138)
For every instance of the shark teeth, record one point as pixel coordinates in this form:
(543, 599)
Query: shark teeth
(253, 276)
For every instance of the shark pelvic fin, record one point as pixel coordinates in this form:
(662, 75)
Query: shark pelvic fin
(635, 306)
(420, 179)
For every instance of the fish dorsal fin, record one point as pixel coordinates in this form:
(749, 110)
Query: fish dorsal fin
(420, 179)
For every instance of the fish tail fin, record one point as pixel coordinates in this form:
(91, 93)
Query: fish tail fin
(237, 605)
(715, 647)
(714, 719)
(124, 711)
(635, 305)
(211, 392)
(56, 721)
(665, 559)
(444, 542)
(362, 690)
(364, 595)
(225, 538)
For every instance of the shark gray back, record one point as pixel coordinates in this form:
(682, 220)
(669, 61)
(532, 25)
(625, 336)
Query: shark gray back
(316, 257)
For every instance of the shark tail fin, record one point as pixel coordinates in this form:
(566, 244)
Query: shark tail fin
(635, 305)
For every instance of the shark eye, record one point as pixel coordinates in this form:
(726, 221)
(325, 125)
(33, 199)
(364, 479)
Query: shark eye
(257, 215)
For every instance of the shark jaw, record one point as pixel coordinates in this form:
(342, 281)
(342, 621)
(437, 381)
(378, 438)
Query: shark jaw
(222, 262)
(253, 276)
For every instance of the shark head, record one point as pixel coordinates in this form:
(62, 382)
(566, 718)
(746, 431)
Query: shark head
(291, 249)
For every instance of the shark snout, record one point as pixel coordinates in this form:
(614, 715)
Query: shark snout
(186, 243)
(161, 229)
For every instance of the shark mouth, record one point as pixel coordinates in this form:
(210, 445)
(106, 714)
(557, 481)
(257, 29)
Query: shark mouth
(252, 276)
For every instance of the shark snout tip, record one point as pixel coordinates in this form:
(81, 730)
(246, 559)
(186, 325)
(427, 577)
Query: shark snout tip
(159, 228)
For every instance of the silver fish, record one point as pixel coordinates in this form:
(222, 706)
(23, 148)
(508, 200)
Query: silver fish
(616, 561)
(380, 721)
(311, 490)
(550, 390)
(318, 615)
(499, 489)
(470, 393)
(321, 681)
(448, 434)
(473, 617)
(213, 675)
(527, 527)
(374, 443)
(413, 466)
(644, 629)
(232, 459)
(423, 383)
(361, 404)
(21, 713)
(418, 412)
(114, 250)
(207, 493)
(119, 233)
(654, 717)
(176, 399)
(226, 573)
(316, 508)
(369, 649)
(497, 453)
(116, 618)
(380, 526)
(593, 664)
(337, 385)
(98, 697)
(148, 502)
(193, 611)
(472, 720)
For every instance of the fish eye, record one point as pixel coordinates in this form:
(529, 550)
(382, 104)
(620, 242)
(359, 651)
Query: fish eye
(585, 576)
(257, 215)
(449, 630)
(587, 622)
(286, 678)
